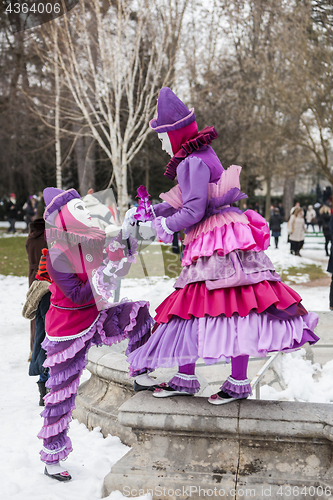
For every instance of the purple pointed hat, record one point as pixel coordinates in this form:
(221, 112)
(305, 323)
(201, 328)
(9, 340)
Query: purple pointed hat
(172, 114)
(55, 199)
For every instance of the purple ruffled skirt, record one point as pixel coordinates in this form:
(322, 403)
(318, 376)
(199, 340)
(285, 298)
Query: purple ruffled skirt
(66, 361)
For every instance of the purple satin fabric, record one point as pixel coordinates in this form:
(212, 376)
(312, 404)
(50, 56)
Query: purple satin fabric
(72, 287)
(193, 176)
(237, 268)
(182, 342)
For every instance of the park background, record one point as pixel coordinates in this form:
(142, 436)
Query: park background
(76, 98)
(77, 95)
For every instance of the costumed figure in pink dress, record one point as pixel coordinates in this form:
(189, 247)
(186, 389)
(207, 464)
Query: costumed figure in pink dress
(229, 302)
(80, 314)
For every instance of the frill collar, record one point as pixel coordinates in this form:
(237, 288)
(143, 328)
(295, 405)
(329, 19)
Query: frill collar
(204, 138)
(92, 238)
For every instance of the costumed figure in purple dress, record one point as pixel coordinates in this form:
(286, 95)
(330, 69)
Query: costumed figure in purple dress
(80, 314)
(229, 302)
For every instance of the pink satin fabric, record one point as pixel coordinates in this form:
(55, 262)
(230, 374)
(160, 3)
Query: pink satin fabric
(195, 300)
(252, 236)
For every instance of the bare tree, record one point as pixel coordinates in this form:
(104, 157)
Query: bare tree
(112, 56)
(304, 87)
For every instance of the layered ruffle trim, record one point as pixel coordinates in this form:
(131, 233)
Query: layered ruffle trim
(185, 383)
(58, 396)
(182, 342)
(195, 300)
(58, 450)
(213, 222)
(234, 269)
(65, 374)
(53, 429)
(75, 346)
(59, 409)
(252, 236)
(133, 331)
(204, 138)
(104, 288)
(92, 238)
(237, 389)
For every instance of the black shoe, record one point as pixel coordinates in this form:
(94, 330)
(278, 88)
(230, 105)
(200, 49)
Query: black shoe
(42, 392)
(61, 476)
(139, 387)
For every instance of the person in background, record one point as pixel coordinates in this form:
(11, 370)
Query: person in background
(40, 206)
(311, 217)
(29, 212)
(275, 225)
(330, 264)
(325, 216)
(12, 213)
(317, 207)
(296, 229)
(297, 205)
(36, 307)
(281, 210)
(34, 244)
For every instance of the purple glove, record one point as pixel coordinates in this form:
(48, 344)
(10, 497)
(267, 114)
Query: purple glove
(61, 272)
(193, 177)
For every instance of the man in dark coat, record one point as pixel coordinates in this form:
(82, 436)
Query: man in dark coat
(275, 225)
(330, 263)
(12, 213)
(34, 245)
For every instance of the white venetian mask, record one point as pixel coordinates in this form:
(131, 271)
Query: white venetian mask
(79, 211)
(166, 144)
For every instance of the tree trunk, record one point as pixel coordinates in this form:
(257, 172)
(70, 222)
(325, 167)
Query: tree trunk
(57, 112)
(268, 198)
(288, 196)
(79, 150)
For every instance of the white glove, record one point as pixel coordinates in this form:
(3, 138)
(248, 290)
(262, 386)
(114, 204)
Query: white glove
(128, 222)
(109, 269)
(146, 230)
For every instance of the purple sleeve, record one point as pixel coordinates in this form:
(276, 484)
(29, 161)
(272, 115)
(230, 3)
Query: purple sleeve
(61, 272)
(193, 177)
(164, 209)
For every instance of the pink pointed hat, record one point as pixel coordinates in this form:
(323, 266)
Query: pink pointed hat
(55, 199)
(172, 114)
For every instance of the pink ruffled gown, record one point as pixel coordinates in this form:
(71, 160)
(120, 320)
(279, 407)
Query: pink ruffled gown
(229, 302)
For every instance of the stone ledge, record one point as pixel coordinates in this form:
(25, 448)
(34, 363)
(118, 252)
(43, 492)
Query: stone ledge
(183, 442)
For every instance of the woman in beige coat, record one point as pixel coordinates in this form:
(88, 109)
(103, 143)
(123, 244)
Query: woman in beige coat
(296, 229)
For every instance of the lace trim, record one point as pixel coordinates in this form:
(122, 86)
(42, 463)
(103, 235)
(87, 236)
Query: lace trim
(70, 337)
(53, 452)
(204, 138)
(94, 237)
(165, 227)
(183, 376)
(238, 382)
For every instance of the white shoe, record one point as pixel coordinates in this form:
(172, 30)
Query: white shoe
(221, 398)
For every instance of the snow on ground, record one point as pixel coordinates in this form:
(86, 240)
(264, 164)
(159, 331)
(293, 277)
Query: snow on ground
(93, 456)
